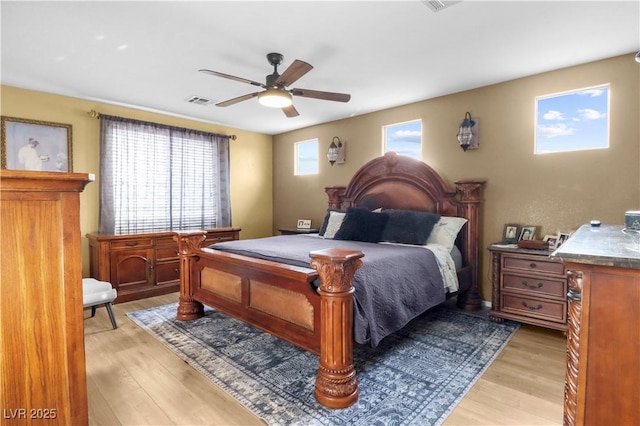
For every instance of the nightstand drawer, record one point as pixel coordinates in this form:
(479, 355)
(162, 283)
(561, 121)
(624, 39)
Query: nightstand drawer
(535, 284)
(539, 265)
(217, 237)
(532, 307)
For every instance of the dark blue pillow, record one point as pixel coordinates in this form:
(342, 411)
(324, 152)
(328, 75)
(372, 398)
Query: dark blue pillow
(408, 226)
(362, 224)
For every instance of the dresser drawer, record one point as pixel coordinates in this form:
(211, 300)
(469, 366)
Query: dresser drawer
(116, 244)
(533, 264)
(531, 307)
(167, 272)
(535, 285)
(166, 253)
(166, 241)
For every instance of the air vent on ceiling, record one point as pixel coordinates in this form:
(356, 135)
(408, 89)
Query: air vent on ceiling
(438, 5)
(199, 100)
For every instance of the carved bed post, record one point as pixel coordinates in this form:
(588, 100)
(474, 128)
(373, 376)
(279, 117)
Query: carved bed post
(336, 195)
(188, 242)
(336, 383)
(470, 197)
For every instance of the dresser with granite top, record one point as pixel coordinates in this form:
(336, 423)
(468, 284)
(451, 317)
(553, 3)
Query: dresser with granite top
(602, 385)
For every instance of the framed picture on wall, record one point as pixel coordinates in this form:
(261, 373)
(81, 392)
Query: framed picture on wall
(35, 145)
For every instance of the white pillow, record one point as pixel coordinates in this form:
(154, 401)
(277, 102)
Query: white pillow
(446, 231)
(333, 224)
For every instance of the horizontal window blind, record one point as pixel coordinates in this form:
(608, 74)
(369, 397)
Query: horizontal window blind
(156, 178)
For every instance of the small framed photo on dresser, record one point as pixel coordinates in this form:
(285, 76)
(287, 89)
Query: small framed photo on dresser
(527, 233)
(552, 240)
(562, 238)
(510, 233)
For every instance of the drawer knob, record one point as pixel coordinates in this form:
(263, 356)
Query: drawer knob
(532, 308)
(532, 287)
(533, 265)
(176, 270)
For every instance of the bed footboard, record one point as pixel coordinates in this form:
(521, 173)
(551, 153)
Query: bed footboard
(281, 300)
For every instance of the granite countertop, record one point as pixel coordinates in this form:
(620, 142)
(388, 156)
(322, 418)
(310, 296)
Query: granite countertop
(608, 245)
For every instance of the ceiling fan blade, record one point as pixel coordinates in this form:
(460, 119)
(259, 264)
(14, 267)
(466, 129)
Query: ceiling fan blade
(236, 100)
(296, 70)
(316, 94)
(232, 77)
(290, 111)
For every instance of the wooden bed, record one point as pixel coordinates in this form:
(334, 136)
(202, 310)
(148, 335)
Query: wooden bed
(282, 300)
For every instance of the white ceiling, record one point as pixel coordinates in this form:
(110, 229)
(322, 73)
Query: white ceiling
(146, 54)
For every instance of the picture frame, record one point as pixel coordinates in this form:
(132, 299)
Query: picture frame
(304, 224)
(35, 145)
(527, 233)
(510, 233)
(562, 238)
(552, 240)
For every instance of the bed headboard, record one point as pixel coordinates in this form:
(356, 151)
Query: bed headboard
(395, 181)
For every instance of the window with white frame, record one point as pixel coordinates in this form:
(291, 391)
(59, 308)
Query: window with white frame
(306, 160)
(404, 138)
(572, 121)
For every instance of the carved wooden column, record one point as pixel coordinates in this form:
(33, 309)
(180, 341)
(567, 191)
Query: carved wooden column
(336, 383)
(470, 196)
(495, 285)
(188, 243)
(574, 299)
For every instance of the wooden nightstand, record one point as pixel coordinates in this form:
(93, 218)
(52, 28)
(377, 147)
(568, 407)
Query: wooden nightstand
(528, 286)
(293, 231)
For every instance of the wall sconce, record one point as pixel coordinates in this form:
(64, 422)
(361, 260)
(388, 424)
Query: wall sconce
(335, 154)
(468, 133)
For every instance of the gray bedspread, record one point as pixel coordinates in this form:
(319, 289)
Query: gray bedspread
(395, 284)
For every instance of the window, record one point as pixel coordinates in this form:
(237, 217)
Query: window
(157, 178)
(404, 138)
(573, 121)
(306, 158)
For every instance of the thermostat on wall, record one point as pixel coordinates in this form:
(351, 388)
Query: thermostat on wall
(304, 224)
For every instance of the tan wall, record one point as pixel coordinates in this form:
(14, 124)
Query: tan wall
(250, 153)
(556, 192)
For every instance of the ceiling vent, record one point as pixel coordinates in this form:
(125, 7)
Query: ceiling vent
(199, 100)
(438, 5)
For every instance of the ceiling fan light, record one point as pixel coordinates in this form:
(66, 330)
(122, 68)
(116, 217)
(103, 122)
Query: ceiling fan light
(275, 98)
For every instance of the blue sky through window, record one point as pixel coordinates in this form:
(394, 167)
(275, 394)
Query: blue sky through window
(573, 121)
(307, 157)
(404, 138)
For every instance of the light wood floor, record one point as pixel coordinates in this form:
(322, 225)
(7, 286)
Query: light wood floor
(133, 379)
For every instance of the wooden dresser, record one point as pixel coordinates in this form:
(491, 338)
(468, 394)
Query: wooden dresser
(527, 286)
(143, 265)
(602, 385)
(42, 360)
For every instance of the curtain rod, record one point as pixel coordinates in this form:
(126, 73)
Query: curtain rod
(95, 114)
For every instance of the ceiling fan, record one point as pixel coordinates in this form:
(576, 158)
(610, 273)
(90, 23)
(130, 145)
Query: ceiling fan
(276, 94)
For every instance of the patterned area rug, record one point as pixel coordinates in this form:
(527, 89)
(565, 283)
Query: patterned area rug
(414, 377)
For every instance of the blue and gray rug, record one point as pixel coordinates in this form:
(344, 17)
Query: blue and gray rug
(414, 377)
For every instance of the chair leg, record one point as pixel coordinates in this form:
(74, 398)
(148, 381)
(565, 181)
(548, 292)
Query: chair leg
(111, 316)
(93, 311)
